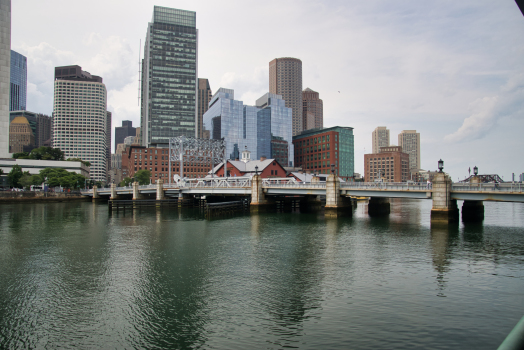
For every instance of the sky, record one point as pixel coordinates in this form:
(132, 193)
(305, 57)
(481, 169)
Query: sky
(452, 70)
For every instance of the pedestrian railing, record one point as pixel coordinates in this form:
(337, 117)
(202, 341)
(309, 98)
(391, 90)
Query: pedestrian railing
(509, 187)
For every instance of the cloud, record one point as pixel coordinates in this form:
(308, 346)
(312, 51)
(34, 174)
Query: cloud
(248, 87)
(487, 111)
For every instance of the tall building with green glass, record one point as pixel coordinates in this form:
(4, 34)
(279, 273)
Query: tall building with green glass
(169, 77)
(323, 150)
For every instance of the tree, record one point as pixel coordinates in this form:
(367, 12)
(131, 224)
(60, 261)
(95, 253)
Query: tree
(46, 153)
(14, 176)
(21, 155)
(125, 182)
(25, 181)
(62, 177)
(143, 176)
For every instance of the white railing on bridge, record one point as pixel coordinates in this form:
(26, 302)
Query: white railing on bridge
(391, 186)
(217, 182)
(508, 187)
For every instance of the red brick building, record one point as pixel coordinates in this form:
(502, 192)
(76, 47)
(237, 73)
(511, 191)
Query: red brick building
(156, 160)
(390, 163)
(266, 168)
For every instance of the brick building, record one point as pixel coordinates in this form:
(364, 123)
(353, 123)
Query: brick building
(156, 160)
(317, 149)
(390, 163)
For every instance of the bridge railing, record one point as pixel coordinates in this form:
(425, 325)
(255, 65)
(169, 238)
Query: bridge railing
(391, 186)
(217, 182)
(488, 187)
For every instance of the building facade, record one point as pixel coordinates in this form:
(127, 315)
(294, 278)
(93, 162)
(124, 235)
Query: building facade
(204, 97)
(80, 118)
(5, 73)
(21, 137)
(409, 140)
(40, 124)
(389, 165)
(317, 150)
(169, 77)
(156, 160)
(121, 132)
(262, 129)
(312, 110)
(379, 138)
(18, 85)
(285, 79)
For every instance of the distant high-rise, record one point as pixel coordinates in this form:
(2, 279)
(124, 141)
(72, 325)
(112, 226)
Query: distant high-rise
(109, 123)
(21, 137)
(80, 118)
(204, 97)
(169, 77)
(40, 125)
(285, 79)
(5, 70)
(121, 132)
(312, 110)
(409, 140)
(379, 138)
(18, 93)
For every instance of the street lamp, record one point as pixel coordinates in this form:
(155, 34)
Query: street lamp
(440, 165)
(475, 170)
(256, 169)
(333, 169)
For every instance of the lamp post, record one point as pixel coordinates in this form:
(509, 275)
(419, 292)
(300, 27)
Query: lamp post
(440, 165)
(475, 170)
(333, 169)
(256, 170)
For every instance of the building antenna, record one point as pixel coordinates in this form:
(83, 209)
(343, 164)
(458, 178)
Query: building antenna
(139, 71)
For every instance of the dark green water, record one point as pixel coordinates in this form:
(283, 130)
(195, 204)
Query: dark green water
(72, 276)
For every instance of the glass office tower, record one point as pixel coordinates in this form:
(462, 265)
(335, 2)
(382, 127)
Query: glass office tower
(169, 77)
(265, 129)
(18, 91)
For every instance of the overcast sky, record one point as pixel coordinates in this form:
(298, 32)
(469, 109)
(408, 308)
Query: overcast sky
(452, 70)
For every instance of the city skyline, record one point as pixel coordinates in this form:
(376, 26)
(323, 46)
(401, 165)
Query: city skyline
(450, 71)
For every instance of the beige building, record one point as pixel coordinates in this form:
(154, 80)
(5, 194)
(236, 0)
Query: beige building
(20, 135)
(379, 138)
(285, 79)
(204, 97)
(409, 140)
(312, 110)
(389, 165)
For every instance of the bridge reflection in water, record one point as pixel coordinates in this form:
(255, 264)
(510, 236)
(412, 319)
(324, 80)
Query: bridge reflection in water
(333, 195)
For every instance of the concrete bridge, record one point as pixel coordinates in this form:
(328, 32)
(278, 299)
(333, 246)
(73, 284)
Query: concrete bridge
(264, 192)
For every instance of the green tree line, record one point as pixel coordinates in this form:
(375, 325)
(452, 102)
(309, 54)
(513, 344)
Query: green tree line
(52, 176)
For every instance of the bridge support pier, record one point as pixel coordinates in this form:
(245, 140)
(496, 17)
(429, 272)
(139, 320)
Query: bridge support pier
(113, 192)
(136, 192)
(472, 211)
(159, 190)
(259, 203)
(96, 196)
(379, 206)
(444, 208)
(336, 205)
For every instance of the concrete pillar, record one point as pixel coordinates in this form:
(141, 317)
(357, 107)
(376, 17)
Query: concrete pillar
(258, 198)
(336, 205)
(379, 206)
(159, 189)
(473, 211)
(96, 196)
(136, 193)
(113, 192)
(444, 208)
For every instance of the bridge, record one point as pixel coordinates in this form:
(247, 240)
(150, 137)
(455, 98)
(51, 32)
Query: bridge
(264, 192)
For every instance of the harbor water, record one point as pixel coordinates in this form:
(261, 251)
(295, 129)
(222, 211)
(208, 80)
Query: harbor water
(74, 276)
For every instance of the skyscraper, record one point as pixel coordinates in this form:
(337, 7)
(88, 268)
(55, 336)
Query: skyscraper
(169, 77)
(121, 132)
(285, 79)
(409, 140)
(109, 123)
(379, 138)
(5, 69)
(312, 110)
(204, 97)
(80, 118)
(264, 129)
(18, 93)
(40, 125)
